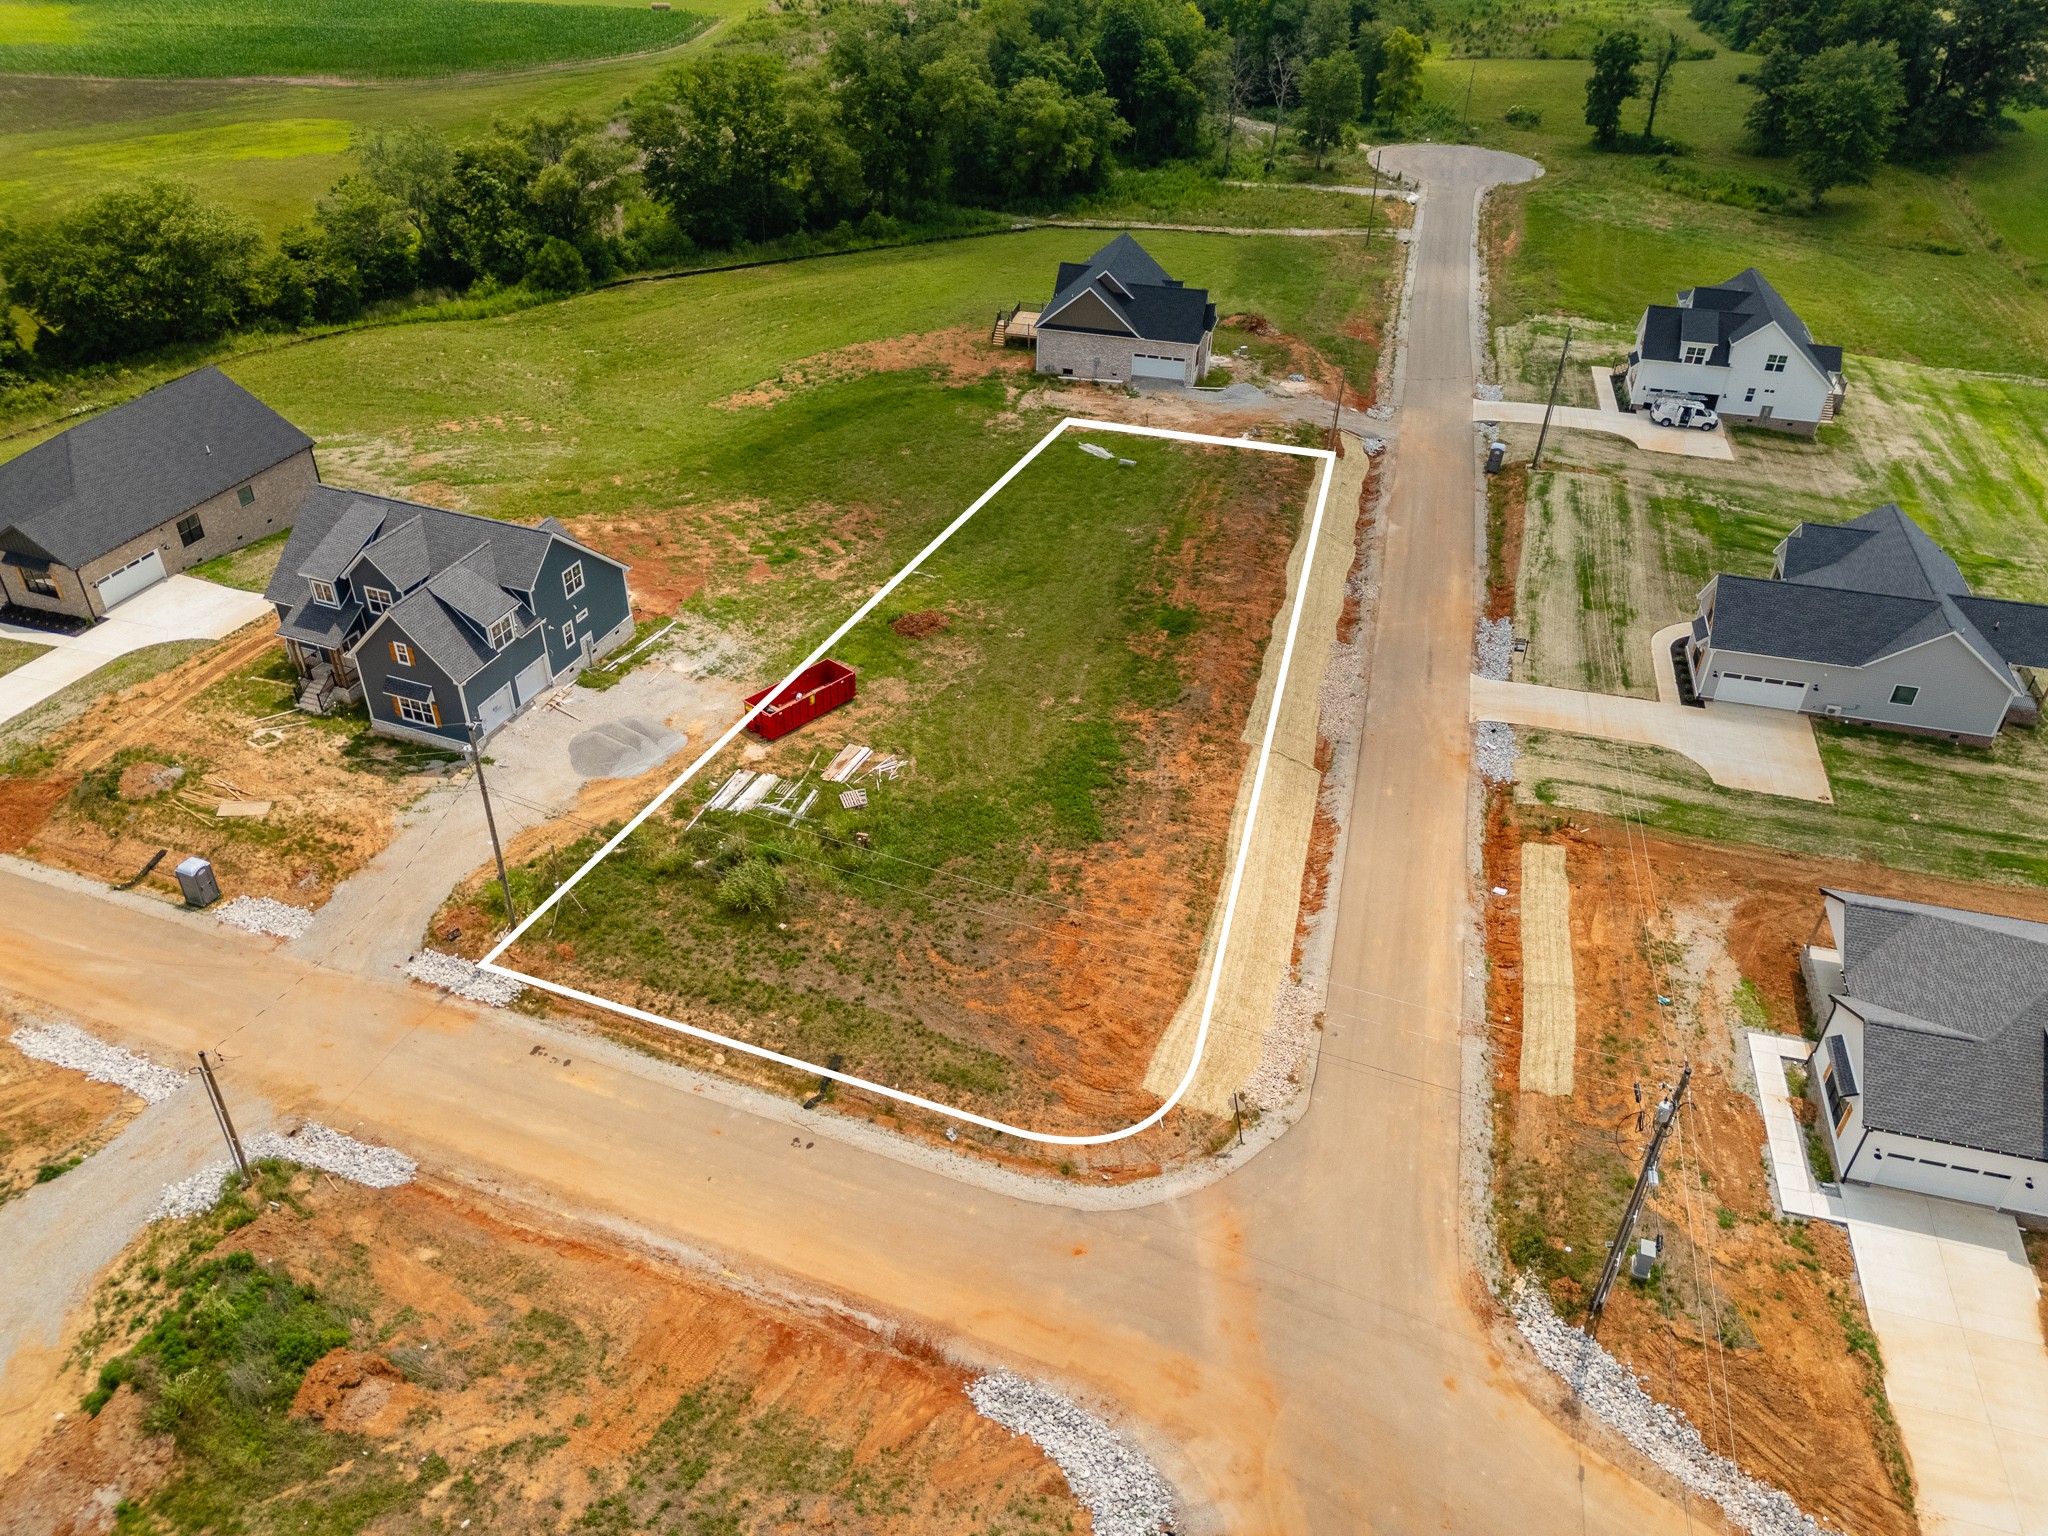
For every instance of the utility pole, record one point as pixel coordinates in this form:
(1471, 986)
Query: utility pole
(1556, 380)
(1372, 208)
(476, 756)
(220, 1115)
(1474, 75)
(1667, 1116)
(1337, 416)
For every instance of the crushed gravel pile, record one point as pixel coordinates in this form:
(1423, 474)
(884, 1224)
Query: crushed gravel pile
(259, 914)
(1611, 1391)
(1493, 751)
(1496, 648)
(312, 1146)
(1123, 1492)
(452, 973)
(63, 1046)
(1277, 1078)
(1491, 392)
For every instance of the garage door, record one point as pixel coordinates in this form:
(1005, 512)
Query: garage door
(495, 711)
(1771, 692)
(131, 579)
(1143, 367)
(530, 681)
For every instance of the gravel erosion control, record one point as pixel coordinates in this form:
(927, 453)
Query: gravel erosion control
(1663, 1434)
(64, 1046)
(1124, 1493)
(260, 914)
(1493, 751)
(452, 973)
(313, 1145)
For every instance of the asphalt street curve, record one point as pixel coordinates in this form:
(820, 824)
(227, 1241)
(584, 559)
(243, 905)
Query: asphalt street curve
(1296, 1345)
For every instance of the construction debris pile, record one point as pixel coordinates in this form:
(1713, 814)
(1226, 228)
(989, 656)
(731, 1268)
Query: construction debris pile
(769, 794)
(452, 973)
(260, 914)
(1123, 1491)
(63, 1046)
(313, 1145)
(1617, 1399)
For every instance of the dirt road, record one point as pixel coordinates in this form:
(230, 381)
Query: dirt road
(1294, 1345)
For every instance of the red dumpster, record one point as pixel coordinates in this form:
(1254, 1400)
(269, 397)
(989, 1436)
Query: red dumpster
(819, 688)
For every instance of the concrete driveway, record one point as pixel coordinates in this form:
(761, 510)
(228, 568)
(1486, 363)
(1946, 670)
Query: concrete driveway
(1742, 746)
(1639, 430)
(180, 608)
(1957, 1314)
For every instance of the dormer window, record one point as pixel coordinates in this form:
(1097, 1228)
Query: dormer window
(323, 594)
(501, 631)
(1697, 352)
(376, 599)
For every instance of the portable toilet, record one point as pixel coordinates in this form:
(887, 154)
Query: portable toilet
(195, 879)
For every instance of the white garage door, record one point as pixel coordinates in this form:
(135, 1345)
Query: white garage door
(1771, 692)
(531, 680)
(1143, 367)
(495, 711)
(131, 579)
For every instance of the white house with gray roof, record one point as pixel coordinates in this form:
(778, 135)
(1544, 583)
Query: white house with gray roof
(437, 619)
(196, 468)
(1871, 621)
(1931, 1073)
(1737, 347)
(1118, 316)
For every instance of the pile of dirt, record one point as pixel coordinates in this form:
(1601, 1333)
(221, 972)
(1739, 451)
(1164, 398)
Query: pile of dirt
(146, 780)
(353, 1393)
(79, 1476)
(921, 625)
(1751, 1325)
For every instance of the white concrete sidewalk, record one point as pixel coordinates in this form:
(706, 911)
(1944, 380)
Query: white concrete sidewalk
(1957, 1313)
(1741, 746)
(179, 608)
(1640, 430)
(1792, 1182)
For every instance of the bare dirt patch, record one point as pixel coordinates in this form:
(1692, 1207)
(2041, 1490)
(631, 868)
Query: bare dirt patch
(78, 1476)
(959, 355)
(1751, 1325)
(50, 1117)
(921, 625)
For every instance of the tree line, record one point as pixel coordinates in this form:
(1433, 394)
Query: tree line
(906, 112)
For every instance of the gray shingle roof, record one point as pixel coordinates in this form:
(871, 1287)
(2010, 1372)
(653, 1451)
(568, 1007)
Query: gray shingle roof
(1955, 1011)
(401, 554)
(432, 625)
(318, 624)
(105, 481)
(1747, 302)
(1124, 276)
(1850, 593)
(470, 587)
(332, 556)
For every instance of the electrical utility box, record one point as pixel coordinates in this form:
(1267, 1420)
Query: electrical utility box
(195, 879)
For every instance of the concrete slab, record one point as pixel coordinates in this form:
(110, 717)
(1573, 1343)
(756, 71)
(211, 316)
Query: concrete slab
(1741, 746)
(1661, 666)
(1956, 1310)
(1603, 390)
(1792, 1183)
(1639, 430)
(180, 608)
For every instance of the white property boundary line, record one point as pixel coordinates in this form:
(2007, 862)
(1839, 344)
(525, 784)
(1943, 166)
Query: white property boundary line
(490, 961)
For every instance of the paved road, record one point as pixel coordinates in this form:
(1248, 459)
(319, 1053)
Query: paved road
(1294, 1344)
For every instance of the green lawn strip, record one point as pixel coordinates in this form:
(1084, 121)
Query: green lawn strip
(249, 568)
(20, 752)
(17, 653)
(1890, 269)
(170, 39)
(1964, 812)
(1023, 720)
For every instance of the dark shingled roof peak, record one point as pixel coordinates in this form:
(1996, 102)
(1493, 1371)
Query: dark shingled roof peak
(1137, 291)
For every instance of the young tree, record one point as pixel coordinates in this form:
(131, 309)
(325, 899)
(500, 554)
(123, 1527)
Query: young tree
(410, 165)
(1283, 68)
(1329, 100)
(1369, 47)
(143, 267)
(1765, 120)
(1050, 142)
(1399, 91)
(1843, 114)
(1660, 67)
(1325, 29)
(1613, 81)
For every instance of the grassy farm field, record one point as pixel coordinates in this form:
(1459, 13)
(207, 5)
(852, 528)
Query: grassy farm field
(358, 39)
(1012, 924)
(1885, 270)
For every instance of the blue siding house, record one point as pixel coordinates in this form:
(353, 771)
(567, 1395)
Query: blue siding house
(437, 619)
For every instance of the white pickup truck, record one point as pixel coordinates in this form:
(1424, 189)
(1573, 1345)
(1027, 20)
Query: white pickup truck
(1683, 413)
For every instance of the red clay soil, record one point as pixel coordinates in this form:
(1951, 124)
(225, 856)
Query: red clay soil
(921, 625)
(959, 355)
(77, 1477)
(1749, 1328)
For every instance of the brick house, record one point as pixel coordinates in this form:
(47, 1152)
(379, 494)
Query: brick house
(1118, 317)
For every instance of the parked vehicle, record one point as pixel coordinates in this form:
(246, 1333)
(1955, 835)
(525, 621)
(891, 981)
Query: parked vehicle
(1683, 413)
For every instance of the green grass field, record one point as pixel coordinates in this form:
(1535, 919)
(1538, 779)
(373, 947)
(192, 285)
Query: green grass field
(1937, 268)
(354, 39)
(16, 653)
(249, 568)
